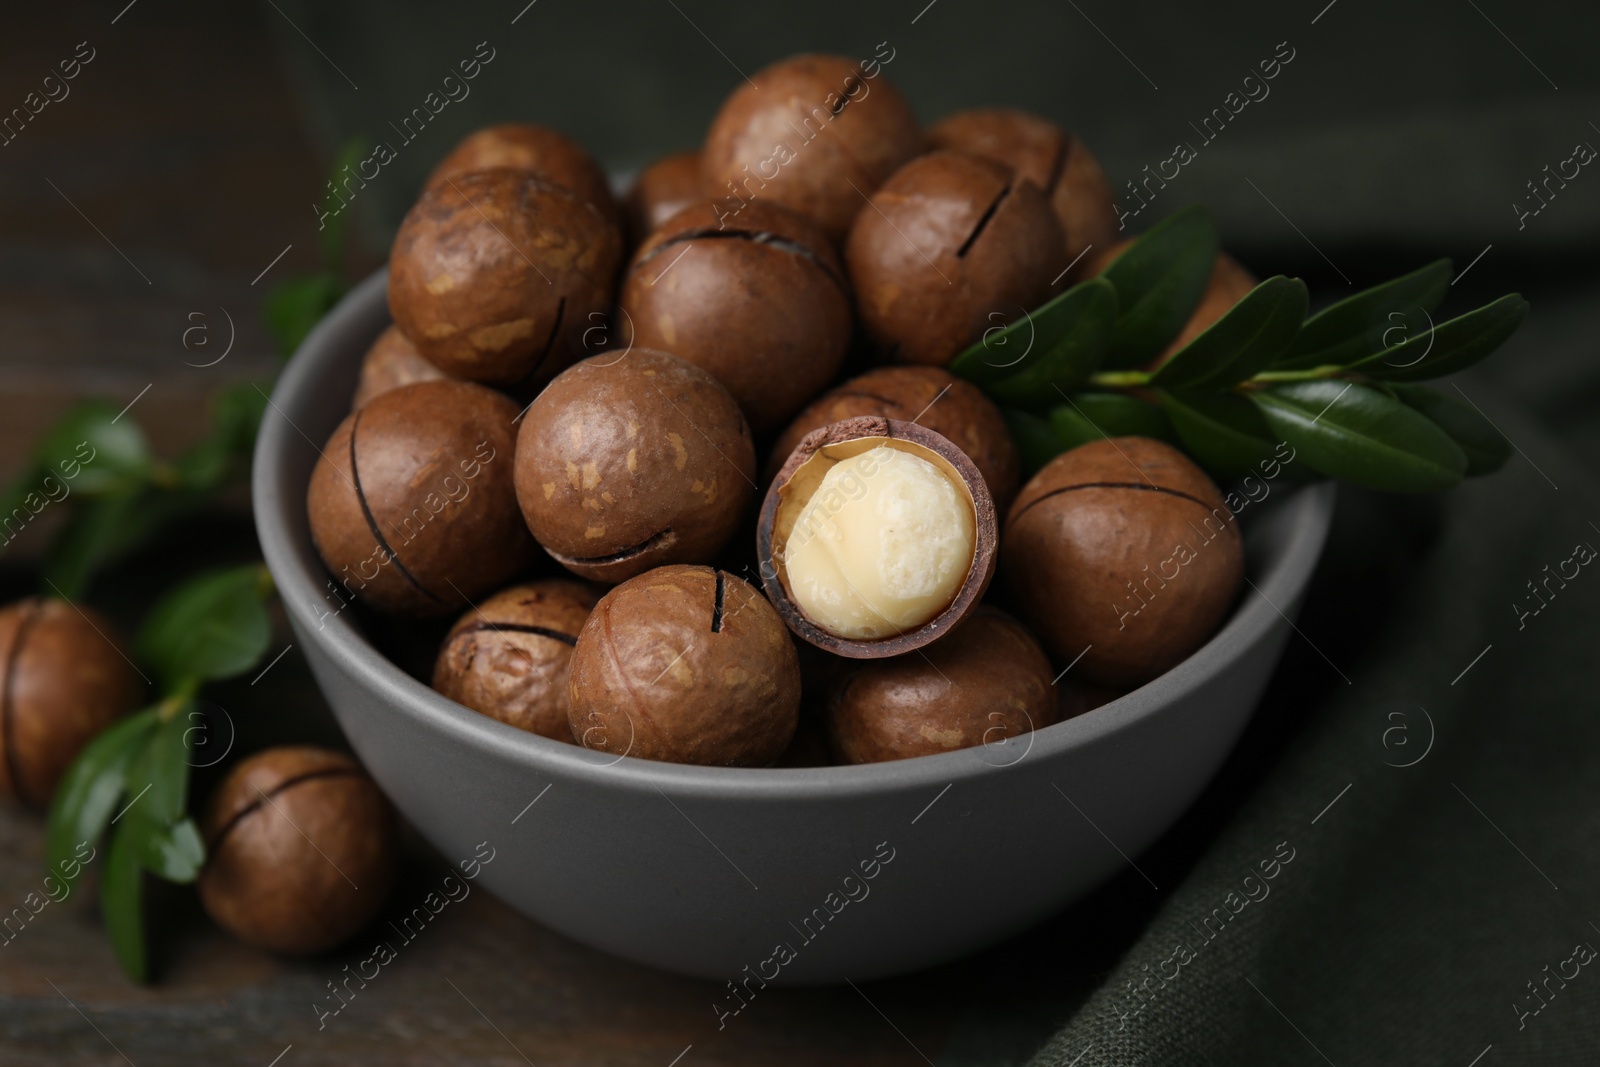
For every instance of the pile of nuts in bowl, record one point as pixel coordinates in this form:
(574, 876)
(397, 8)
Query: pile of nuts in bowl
(716, 499)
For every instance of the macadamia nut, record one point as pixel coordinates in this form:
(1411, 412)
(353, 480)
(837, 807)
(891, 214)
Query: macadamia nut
(882, 546)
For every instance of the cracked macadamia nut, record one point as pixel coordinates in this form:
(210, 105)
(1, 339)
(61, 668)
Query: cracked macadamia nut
(686, 664)
(507, 658)
(391, 362)
(931, 397)
(877, 536)
(986, 682)
(62, 681)
(1123, 551)
(952, 245)
(881, 547)
(754, 294)
(1053, 159)
(630, 460)
(300, 850)
(497, 275)
(663, 189)
(814, 133)
(550, 154)
(412, 503)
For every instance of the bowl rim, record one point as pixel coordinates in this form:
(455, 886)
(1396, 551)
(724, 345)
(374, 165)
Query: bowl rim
(300, 580)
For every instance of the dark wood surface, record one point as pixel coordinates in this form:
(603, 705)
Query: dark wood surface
(158, 191)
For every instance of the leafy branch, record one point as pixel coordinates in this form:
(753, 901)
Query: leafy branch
(1337, 387)
(131, 784)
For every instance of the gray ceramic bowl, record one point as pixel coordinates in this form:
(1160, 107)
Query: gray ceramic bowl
(709, 870)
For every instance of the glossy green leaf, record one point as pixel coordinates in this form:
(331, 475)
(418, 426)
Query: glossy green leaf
(1244, 341)
(159, 776)
(1358, 325)
(174, 853)
(214, 626)
(1357, 433)
(1057, 346)
(1486, 448)
(1159, 280)
(296, 305)
(1036, 442)
(96, 448)
(122, 901)
(90, 791)
(1091, 416)
(1224, 431)
(1450, 346)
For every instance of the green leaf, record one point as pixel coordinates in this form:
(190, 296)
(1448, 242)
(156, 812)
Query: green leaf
(89, 792)
(174, 853)
(1093, 416)
(1075, 322)
(1450, 346)
(1357, 433)
(1486, 448)
(95, 450)
(159, 776)
(214, 626)
(1356, 326)
(1082, 320)
(1159, 280)
(1223, 430)
(296, 305)
(122, 900)
(157, 817)
(1243, 342)
(333, 229)
(1036, 443)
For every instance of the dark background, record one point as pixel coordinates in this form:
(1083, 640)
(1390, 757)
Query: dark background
(192, 148)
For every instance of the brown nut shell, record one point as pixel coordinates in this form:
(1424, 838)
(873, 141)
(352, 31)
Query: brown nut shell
(631, 460)
(663, 189)
(930, 396)
(412, 504)
(1123, 551)
(752, 293)
(496, 276)
(797, 480)
(1053, 159)
(507, 658)
(686, 664)
(548, 153)
(952, 245)
(301, 849)
(814, 133)
(391, 362)
(62, 681)
(986, 682)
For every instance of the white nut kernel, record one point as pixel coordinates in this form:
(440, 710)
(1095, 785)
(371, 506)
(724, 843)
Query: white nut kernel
(882, 546)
